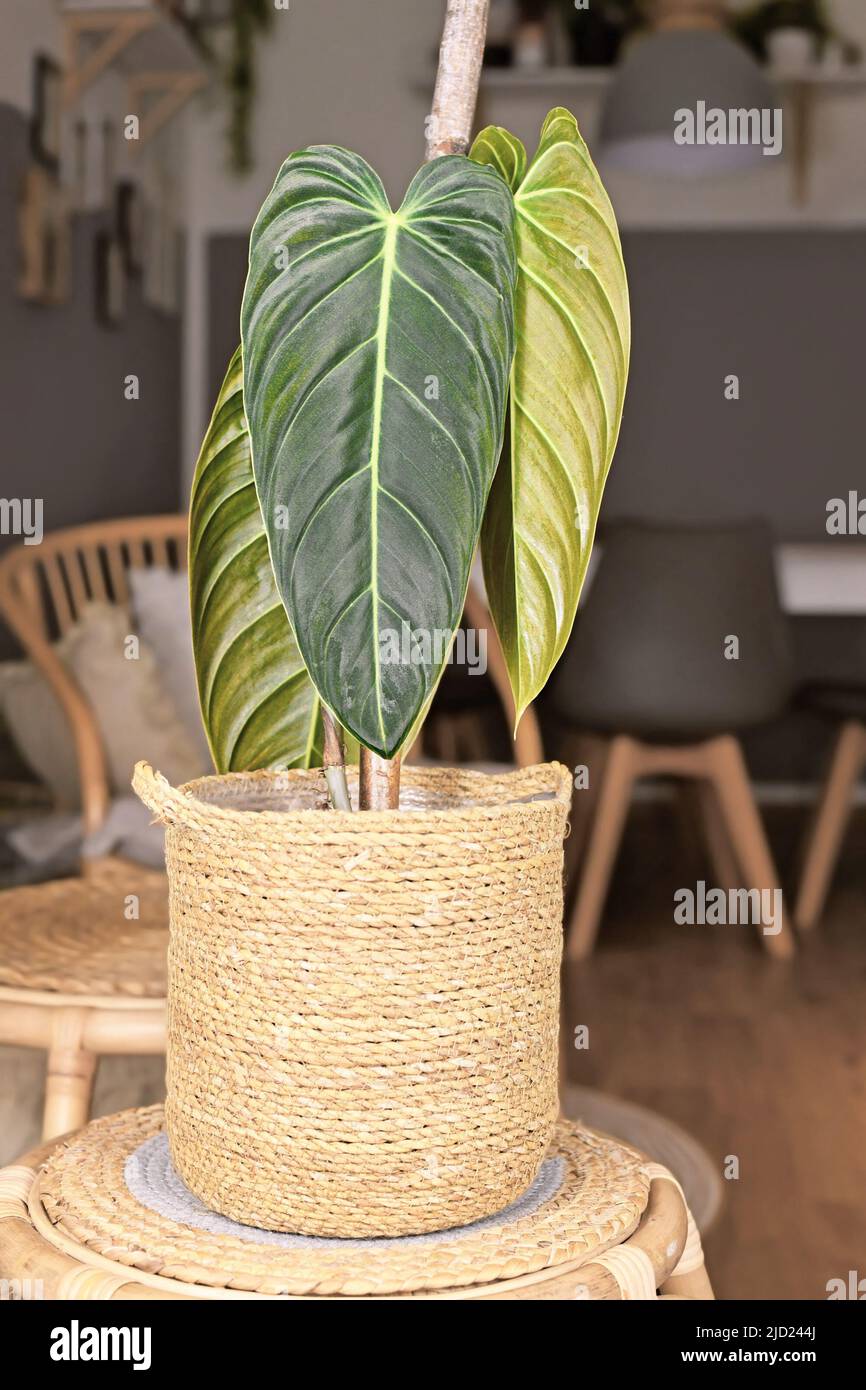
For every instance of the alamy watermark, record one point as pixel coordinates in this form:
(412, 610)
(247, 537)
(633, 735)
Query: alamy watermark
(22, 516)
(21, 1290)
(416, 646)
(851, 1288)
(712, 125)
(757, 907)
(846, 516)
(83, 1343)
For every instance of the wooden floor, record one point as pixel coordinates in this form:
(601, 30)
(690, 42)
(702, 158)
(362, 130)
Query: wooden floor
(762, 1061)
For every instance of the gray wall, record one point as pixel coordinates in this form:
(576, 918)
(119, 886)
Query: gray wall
(68, 434)
(785, 312)
(226, 273)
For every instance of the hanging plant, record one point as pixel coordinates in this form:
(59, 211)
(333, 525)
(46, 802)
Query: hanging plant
(246, 21)
(756, 24)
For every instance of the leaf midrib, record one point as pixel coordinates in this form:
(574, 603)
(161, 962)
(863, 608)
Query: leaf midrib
(389, 258)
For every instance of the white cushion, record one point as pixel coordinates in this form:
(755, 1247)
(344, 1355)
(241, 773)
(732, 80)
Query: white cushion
(160, 606)
(40, 730)
(135, 713)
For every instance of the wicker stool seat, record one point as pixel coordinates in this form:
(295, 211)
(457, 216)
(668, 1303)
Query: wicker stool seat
(83, 972)
(103, 1215)
(88, 936)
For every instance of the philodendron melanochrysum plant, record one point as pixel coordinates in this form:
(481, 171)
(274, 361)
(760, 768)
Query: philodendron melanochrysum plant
(353, 457)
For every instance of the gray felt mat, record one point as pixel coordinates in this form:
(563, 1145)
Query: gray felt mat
(152, 1180)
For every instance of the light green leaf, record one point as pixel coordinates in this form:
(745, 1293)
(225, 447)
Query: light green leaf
(377, 347)
(259, 707)
(567, 389)
(503, 152)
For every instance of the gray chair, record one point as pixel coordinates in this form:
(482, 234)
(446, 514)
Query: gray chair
(679, 646)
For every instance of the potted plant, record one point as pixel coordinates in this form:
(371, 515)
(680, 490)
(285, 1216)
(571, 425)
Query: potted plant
(597, 31)
(790, 33)
(363, 1007)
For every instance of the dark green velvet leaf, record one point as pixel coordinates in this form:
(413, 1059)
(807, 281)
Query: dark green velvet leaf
(377, 347)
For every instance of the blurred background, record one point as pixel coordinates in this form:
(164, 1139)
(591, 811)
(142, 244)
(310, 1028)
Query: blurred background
(137, 141)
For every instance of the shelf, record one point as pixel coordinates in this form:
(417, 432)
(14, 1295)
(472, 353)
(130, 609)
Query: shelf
(145, 41)
(800, 88)
(540, 79)
(132, 36)
(852, 78)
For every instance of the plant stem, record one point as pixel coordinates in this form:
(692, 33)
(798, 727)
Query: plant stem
(380, 782)
(460, 57)
(334, 763)
(448, 130)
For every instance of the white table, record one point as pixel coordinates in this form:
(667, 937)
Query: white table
(827, 578)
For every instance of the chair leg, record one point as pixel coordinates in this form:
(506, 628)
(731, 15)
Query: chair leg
(726, 768)
(831, 819)
(69, 1084)
(590, 751)
(614, 795)
(446, 740)
(718, 841)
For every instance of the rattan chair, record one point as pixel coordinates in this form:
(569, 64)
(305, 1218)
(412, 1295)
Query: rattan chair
(82, 960)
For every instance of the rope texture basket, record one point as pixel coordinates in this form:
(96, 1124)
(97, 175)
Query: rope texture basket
(363, 1008)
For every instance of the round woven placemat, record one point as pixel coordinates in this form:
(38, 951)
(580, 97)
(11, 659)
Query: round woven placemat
(77, 935)
(589, 1197)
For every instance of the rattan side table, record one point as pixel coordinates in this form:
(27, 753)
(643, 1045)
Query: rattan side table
(102, 1215)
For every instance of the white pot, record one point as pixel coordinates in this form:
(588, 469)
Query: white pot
(791, 50)
(530, 47)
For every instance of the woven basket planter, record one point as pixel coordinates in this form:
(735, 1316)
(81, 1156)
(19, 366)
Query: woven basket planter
(363, 1008)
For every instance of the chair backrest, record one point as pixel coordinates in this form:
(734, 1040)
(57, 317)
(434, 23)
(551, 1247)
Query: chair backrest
(653, 650)
(43, 589)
